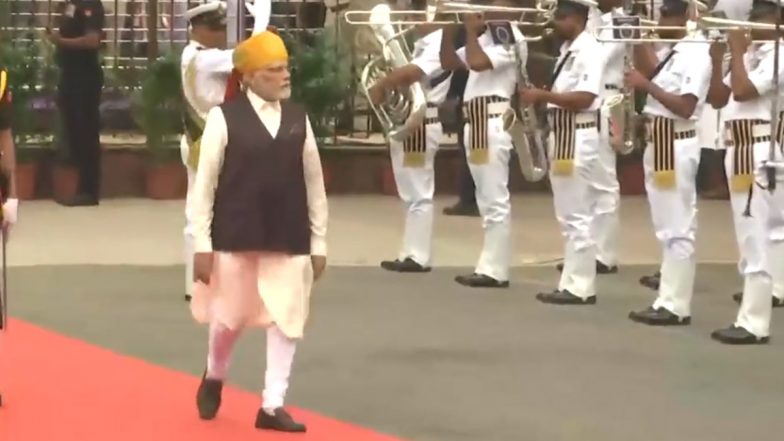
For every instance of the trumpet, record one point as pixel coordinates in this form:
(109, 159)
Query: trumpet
(544, 9)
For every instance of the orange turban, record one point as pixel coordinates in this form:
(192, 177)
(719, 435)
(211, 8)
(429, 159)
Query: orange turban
(259, 51)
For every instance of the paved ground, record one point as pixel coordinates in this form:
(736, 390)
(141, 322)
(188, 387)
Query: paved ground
(418, 356)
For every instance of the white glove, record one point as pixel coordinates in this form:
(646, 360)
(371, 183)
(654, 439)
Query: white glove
(10, 208)
(261, 11)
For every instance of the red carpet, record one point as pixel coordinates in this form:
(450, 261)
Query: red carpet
(57, 388)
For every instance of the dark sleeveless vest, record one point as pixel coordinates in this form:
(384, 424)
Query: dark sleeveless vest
(261, 201)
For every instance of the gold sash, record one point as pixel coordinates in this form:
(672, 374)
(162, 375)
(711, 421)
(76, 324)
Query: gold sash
(564, 124)
(662, 131)
(414, 147)
(477, 115)
(742, 135)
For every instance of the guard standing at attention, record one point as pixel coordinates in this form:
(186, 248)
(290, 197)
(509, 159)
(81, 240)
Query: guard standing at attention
(572, 106)
(492, 53)
(676, 83)
(78, 44)
(745, 96)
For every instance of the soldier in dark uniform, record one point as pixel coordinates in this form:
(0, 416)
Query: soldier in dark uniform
(81, 79)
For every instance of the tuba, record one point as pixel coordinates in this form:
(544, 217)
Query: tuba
(404, 109)
(529, 137)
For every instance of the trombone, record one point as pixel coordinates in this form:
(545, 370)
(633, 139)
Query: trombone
(704, 25)
(544, 8)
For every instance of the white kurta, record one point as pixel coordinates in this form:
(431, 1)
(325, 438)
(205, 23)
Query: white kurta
(258, 288)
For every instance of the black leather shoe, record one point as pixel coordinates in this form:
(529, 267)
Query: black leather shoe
(600, 268)
(738, 336)
(658, 317)
(280, 421)
(564, 298)
(651, 282)
(404, 266)
(80, 200)
(208, 397)
(462, 210)
(777, 302)
(481, 281)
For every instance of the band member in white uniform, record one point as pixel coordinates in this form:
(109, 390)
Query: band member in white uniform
(413, 159)
(778, 276)
(676, 84)
(605, 210)
(573, 105)
(206, 65)
(746, 98)
(493, 53)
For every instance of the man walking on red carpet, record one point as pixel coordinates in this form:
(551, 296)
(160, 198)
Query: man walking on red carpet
(260, 218)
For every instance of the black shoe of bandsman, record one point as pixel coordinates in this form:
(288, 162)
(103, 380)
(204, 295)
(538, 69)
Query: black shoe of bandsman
(564, 297)
(651, 282)
(600, 268)
(738, 336)
(481, 281)
(658, 317)
(408, 265)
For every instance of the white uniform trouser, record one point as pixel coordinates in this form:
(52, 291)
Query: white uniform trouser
(674, 213)
(605, 208)
(415, 186)
(575, 198)
(280, 357)
(760, 241)
(492, 199)
(188, 231)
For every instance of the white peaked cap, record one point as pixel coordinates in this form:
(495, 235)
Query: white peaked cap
(205, 7)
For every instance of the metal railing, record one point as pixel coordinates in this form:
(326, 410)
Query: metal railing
(137, 32)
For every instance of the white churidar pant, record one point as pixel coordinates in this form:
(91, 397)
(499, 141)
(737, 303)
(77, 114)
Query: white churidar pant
(280, 357)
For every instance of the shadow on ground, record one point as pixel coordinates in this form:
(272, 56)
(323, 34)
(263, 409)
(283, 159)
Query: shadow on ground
(424, 359)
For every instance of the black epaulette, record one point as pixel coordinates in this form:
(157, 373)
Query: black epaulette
(502, 33)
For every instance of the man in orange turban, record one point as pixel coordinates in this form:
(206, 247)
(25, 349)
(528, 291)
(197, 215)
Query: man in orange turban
(259, 214)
